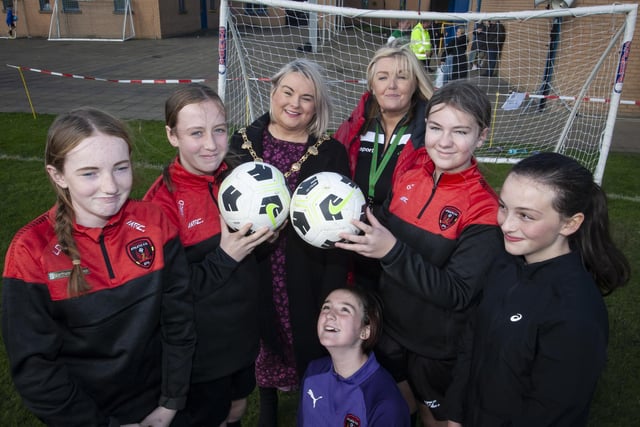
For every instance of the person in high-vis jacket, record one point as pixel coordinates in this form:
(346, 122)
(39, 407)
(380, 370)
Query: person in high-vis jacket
(421, 45)
(97, 315)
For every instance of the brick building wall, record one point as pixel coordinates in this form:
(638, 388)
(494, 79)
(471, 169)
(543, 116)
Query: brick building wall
(631, 88)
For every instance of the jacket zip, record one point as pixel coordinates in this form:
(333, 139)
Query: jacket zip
(213, 197)
(433, 193)
(394, 132)
(105, 255)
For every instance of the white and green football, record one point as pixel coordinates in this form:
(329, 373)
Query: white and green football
(323, 205)
(256, 193)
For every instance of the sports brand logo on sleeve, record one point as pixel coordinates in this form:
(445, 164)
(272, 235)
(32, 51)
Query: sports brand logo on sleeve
(142, 252)
(312, 396)
(516, 317)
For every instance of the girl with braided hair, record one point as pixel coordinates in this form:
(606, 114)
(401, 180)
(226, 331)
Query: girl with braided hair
(97, 314)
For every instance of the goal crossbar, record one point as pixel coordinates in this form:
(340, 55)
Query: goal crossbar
(568, 91)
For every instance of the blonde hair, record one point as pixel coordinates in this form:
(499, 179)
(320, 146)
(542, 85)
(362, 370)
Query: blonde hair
(407, 61)
(312, 71)
(65, 133)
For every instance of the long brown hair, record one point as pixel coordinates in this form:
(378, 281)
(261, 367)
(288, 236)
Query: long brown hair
(575, 191)
(65, 133)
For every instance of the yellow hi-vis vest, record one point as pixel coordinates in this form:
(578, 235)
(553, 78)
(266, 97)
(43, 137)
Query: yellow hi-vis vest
(420, 42)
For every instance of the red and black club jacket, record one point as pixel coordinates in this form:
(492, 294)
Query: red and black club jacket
(447, 237)
(111, 355)
(226, 292)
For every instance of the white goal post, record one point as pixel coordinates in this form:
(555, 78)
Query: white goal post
(91, 20)
(557, 87)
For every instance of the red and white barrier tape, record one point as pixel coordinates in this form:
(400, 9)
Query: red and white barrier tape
(266, 79)
(574, 98)
(100, 79)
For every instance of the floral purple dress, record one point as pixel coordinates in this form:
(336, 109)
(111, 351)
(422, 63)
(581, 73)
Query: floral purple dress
(273, 369)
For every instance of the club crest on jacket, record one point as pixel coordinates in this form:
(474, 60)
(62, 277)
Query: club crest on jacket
(142, 252)
(448, 217)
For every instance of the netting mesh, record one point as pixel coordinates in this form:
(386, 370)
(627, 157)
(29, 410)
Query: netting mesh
(558, 73)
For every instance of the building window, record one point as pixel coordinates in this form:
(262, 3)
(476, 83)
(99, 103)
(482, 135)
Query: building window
(45, 6)
(6, 4)
(255, 9)
(118, 6)
(181, 7)
(70, 6)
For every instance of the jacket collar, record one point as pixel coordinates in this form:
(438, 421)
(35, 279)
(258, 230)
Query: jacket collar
(182, 176)
(365, 371)
(549, 268)
(470, 173)
(93, 233)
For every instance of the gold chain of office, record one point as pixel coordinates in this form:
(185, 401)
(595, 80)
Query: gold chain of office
(295, 167)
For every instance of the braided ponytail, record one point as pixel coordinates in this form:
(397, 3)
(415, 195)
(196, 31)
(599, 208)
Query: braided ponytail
(65, 133)
(607, 264)
(64, 230)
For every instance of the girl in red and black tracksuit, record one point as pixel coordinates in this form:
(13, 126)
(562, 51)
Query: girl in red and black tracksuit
(436, 236)
(224, 277)
(97, 314)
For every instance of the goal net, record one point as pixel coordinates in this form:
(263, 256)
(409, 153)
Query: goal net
(557, 84)
(91, 20)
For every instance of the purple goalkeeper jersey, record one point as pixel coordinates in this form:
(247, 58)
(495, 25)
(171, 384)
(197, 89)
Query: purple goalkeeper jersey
(370, 397)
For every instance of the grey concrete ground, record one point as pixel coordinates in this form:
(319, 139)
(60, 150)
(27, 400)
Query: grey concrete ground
(175, 58)
(193, 57)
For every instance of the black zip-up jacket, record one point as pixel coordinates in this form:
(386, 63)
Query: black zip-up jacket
(536, 349)
(114, 354)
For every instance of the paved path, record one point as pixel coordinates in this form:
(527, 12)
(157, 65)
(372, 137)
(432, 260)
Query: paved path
(173, 58)
(193, 57)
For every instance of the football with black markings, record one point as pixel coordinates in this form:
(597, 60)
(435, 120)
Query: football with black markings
(254, 192)
(323, 205)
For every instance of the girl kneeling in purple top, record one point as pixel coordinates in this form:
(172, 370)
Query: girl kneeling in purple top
(350, 388)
